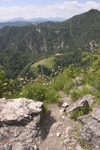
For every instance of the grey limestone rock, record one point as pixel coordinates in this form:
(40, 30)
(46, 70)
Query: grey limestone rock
(84, 101)
(93, 89)
(18, 146)
(78, 147)
(78, 81)
(6, 147)
(64, 105)
(69, 130)
(20, 120)
(58, 134)
(91, 130)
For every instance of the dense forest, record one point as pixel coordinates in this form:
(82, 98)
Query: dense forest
(20, 47)
(30, 66)
(39, 62)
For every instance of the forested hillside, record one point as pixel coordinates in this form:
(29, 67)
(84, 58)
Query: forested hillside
(18, 23)
(20, 46)
(52, 63)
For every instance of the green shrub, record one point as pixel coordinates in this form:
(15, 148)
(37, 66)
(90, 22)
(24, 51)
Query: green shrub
(60, 80)
(79, 112)
(5, 84)
(40, 91)
(68, 86)
(84, 144)
(80, 92)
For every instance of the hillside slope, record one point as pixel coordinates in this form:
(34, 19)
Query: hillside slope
(21, 45)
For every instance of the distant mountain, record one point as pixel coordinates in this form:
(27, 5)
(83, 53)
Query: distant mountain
(13, 20)
(17, 23)
(56, 19)
(2, 20)
(37, 19)
(17, 19)
(22, 22)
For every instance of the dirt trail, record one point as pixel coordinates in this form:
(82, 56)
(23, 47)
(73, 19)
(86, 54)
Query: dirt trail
(57, 126)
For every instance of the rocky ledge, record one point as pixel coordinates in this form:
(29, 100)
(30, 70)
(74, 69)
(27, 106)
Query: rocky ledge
(91, 130)
(20, 124)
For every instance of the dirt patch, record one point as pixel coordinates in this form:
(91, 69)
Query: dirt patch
(60, 128)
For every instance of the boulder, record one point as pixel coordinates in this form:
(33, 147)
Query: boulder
(78, 81)
(78, 147)
(62, 111)
(58, 134)
(91, 130)
(69, 131)
(84, 101)
(64, 105)
(18, 146)
(93, 89)
(20, 120)
(6, 147)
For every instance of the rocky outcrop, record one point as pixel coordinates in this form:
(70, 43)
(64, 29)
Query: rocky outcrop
(18, 146)
(64, 105)
(91, 130)
(20, 121)
(84, 101)
(93, 44)
(78, 81)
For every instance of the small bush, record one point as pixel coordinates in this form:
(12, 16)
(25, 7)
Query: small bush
(68, 86)
(59, 82)
(40, 91)
(79, 112)
(84, 144)
(80, 92)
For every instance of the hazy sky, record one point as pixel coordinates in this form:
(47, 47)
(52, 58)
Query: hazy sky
(27, 9)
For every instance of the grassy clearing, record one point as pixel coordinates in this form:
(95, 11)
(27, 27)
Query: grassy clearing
(47, 62)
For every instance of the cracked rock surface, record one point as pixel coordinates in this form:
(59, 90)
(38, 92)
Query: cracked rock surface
(20, 121)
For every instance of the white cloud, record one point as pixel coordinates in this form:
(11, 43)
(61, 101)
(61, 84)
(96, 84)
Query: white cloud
(64, 10)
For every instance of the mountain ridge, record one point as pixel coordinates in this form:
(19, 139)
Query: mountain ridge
(35, 19)
(21, 45)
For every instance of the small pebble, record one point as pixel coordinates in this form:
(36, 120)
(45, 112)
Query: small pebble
(58, 134)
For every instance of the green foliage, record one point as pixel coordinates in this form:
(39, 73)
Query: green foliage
(76, 93)
(95, 59)
(84, 145)
(21, 45)
(66, 59)
(46, 71)
(60, 80)
(70, 71)
(40, 91)
(82, 142)
(64, 79)
(68, 86)
(27, 72)
(18, 23)
(48, 24)
(79, 112)
(4, 84)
